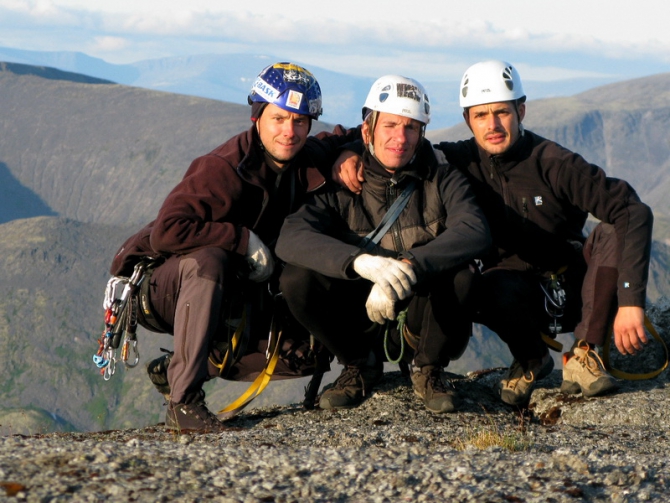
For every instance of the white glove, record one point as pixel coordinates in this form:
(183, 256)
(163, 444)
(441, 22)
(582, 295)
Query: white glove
(380, 308)
(259, 258)
(395, 277)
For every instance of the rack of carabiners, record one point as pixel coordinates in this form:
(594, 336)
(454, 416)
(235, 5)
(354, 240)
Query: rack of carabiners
(120, 306)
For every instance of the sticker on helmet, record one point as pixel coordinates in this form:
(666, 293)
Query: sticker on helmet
(408, 91)
(293, 99)
(264, 89)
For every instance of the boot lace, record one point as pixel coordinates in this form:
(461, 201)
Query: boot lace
(590, 359)
(350, 376)
(200, 410)
(436, 382)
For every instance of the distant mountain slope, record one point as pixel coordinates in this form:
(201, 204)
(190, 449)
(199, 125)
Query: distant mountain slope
(228, 77)
(50, 73)
(102, 153)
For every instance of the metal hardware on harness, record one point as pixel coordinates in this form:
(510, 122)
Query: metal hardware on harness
(120, 323)
(554, 301)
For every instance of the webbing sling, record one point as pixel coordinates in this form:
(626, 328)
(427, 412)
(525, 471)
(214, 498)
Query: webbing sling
(372, 239)
(259, 384)
(629, 376)
(234, 348)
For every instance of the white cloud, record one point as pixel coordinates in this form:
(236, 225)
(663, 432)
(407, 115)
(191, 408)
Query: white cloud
(427, 38)
(109, 44)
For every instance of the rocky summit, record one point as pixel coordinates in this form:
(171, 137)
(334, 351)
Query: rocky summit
(561, 448)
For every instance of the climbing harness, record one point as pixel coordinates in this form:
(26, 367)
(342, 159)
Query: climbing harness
(120, 305)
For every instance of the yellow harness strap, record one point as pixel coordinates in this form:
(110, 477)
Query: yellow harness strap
(230, 356)
(551, 342)
(635, 377)
(259, 384)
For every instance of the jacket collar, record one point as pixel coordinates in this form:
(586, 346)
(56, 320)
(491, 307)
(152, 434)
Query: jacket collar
(521, 150)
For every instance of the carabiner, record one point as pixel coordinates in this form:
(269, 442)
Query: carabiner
(125, 352)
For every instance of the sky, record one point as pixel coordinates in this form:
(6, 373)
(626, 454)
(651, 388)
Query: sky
(425, 39)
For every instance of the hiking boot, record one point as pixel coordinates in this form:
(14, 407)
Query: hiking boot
(157, 370)
(584, 371)
(437, 395)
(193, 416)
(518, 384)
(352, 387)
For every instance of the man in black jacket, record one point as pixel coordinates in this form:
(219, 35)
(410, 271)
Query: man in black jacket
(543, 276)
(343, 286)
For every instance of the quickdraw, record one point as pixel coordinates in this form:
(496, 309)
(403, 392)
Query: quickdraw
(554, 301)
(554, 305)
(120, 306)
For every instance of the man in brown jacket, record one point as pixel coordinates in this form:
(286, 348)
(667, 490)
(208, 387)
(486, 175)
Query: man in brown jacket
(216, 231)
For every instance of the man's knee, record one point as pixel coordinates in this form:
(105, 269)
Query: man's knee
(296, 281)
(213, 264)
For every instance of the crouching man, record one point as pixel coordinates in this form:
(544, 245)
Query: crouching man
(355, 261)
(215, 233)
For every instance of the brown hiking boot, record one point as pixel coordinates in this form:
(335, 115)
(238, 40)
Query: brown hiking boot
(518, 384)
(194, 416)
(352, 387)
(438, 396)
(584, 371)
(157, 370)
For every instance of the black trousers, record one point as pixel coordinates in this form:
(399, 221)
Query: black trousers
(512, 303)
(333, 310)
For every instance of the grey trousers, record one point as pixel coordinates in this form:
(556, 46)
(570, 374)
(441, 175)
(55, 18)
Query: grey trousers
(186, 293)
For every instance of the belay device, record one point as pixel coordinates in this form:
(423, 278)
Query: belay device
(120, 323)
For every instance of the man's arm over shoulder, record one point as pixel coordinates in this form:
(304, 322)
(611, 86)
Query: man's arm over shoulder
(458, 153)
(323, 148)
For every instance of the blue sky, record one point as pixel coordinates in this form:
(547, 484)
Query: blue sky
(428, 40)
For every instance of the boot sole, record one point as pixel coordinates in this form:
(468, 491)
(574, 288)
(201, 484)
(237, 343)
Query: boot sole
(574, 388)
(451, 408)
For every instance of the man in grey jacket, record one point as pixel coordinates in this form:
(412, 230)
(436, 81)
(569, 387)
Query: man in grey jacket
(344, 285)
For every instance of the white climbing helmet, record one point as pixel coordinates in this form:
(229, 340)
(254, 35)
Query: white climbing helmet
(490, 82)
(398, 95)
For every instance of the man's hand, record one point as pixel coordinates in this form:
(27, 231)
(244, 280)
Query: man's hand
(259, 258)
(394, 277)
(348, 171)
(380, 308)
(629, 335)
